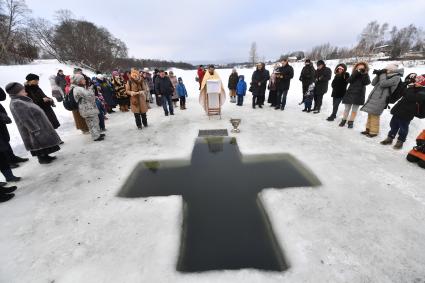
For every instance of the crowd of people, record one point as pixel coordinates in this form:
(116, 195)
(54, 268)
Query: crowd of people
(91, 100)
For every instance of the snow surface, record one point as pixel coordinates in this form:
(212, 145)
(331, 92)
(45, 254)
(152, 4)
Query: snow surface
(366, 223)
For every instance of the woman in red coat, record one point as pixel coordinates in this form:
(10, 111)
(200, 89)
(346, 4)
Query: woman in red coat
(201, 74)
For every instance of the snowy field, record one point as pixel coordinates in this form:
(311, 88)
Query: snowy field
(364, 224)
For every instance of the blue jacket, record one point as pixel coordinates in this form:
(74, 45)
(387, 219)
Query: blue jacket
(181, 90)
(241, 88)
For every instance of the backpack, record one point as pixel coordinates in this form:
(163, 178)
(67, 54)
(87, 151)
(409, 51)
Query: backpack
(397, 93)
(69, 101)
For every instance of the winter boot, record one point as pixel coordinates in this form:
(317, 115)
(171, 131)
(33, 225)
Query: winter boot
(365, 133)
(317, 111)
(342, 124)
(9, 175)
(387, 141)
(17, 159)
(6, 197)
(331, 118)
(398, 145)
(7, 190)
(43, 159)
(371, 135)
(305, 110)
(350, 124)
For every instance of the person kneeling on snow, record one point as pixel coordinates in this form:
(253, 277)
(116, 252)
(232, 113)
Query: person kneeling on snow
(241, 90)
(413, 98)
(308, 98)
(87, 105)
(417, 154)
(182, 93)
(35, 129)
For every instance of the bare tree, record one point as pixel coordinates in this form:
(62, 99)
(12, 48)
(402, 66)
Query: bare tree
(11, 20)
(253, 55)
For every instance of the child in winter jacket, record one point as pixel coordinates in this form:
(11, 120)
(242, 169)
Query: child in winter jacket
(241, 90)
(308, 98)
(182, 93)
(413, 98)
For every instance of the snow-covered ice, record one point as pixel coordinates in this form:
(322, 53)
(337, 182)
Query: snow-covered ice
(364, 224)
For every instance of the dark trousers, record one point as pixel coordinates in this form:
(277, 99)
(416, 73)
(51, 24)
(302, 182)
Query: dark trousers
(254, 100)
(101, 121)
(336, 103)
(305, 88)
(272, 97)
(182, 101)
(281, 99)
(141, 118)
(399, 126)
(166, 99)
(318, 100)
(240, 100)
(158, 100)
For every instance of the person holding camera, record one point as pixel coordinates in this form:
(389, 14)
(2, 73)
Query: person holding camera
(385, 82)
(356, 92)
(413, 98)
(38, 97)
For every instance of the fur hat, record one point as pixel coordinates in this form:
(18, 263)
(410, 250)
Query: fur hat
(420, 80)
(14, 88)
(76, 79)
(32, 77)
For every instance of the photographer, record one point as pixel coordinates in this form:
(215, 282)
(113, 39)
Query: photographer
(385, 82)
(356, 92)
(38, 97)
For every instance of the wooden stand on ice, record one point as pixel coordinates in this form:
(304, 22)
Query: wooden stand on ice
(213, 98)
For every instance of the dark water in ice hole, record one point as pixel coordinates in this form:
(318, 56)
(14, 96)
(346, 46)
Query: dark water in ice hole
(224, 223)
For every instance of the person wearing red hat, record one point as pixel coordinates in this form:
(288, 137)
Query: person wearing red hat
(413, 98)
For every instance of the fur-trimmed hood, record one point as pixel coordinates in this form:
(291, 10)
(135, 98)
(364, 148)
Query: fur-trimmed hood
(341, 65)
(362, 63)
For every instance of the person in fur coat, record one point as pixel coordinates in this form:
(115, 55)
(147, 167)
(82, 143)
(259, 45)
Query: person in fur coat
(138, 90)
(37, 132)
(339, 88)
(120, 92)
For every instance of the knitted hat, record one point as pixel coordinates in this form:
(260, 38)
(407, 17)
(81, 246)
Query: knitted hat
(391, 67)
(115, 74)
(180, 79)
(420, 80)
(100, 77)
(76, 79)
(321, 62)
(32, 77)
(14, 88)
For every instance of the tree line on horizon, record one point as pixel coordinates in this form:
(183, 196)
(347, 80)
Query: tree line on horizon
(374, 38)
(24, 39)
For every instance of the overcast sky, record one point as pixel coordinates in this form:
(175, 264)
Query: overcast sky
(222, 30)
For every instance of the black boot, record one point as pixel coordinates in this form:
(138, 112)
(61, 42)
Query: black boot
(6, 197)
(43, 159)
(342, 124)
(7, 190)
(9, 175)
(17, 159)
(350, 124)
(331, 118)
(387, 141)
(144, 120)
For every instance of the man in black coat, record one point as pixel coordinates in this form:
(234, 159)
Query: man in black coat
(164, 88)
(323, 76)
(259, 83)
(284, 75)
(12, 159)
(308, 75)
